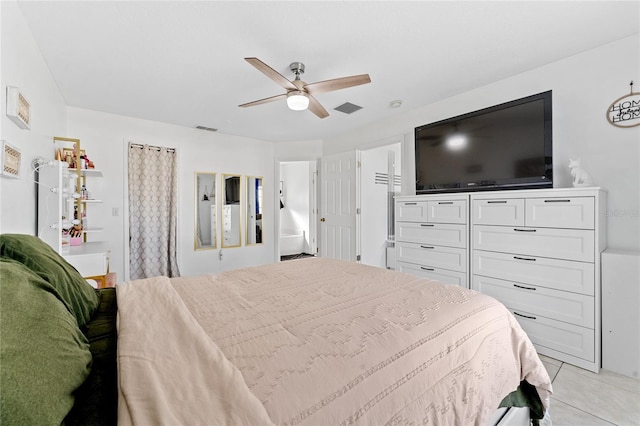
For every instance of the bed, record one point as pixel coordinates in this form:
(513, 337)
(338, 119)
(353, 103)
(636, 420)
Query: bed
(311, 341)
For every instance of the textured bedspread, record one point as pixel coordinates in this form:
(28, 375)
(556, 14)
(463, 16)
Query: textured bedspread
(316, 341)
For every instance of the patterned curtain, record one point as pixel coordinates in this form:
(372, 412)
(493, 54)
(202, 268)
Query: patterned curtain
(152, 211)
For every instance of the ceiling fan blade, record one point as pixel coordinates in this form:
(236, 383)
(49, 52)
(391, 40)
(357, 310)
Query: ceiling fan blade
(265, 100)
(316, 108)
(337, 84)
(271, 73)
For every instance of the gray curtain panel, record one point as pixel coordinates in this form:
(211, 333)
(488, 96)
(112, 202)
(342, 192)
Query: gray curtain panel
(153, 210)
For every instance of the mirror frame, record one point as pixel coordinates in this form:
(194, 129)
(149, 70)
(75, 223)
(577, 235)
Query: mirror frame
(249, 214)
(225, 176)
(197, 196)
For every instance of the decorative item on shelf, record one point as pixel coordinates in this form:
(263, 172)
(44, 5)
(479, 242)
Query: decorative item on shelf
(18, 108)
(625, 111)
(579, 175)
(11, 158)
(66, 241)
(69, 155)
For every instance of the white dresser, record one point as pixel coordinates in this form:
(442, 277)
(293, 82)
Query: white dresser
(432, 237)
(538, 252)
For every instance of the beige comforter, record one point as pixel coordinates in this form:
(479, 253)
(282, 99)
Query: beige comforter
(316, 341)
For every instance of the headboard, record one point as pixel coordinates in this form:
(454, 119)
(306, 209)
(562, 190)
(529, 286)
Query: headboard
(58, 346)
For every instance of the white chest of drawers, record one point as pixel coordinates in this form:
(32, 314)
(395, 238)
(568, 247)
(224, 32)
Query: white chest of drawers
(432, 237)
(538, 252)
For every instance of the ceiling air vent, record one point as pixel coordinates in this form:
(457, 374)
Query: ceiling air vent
(348, 108)
(210, 129)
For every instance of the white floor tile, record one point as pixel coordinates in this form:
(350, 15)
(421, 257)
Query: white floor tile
(552, 369)
(550, 360)
(609, 377)
(566, 415)
(590, 395)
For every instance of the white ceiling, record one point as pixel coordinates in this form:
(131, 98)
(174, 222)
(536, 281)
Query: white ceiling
(182, 62)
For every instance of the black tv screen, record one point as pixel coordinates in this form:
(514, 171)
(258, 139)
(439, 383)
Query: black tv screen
(506, 146)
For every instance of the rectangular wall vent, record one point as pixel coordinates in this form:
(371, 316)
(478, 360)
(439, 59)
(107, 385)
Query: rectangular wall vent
(210, 129)
(348, 108)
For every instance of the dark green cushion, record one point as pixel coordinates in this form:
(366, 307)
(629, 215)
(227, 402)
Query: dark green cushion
(79, 297)
(44, 357)
(97, 399)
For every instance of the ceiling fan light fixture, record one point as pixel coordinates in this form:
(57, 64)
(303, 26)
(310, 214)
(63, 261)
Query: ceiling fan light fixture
(297, 100)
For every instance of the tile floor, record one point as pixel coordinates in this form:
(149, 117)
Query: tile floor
(583, 398)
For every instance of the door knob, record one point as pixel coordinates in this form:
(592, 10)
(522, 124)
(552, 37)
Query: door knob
(322, 219)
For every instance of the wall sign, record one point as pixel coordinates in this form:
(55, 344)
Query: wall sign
(11, 158)
(625, 111)
(18, 108)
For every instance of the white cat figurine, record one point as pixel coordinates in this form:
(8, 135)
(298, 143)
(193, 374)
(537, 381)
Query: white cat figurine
(579, 175)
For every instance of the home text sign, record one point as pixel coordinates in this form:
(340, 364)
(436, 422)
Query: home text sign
(625, 111)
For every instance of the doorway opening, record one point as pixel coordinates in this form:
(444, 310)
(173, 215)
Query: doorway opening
(298, 209)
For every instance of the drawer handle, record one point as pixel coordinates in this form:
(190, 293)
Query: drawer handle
(427, 269)
(427, 247)
(529, 259)
(524, 230)
(557, 201)
(525, 288)
(410, 204)
(497, 202)
(445, 202)
(524, 316)
(427, 224)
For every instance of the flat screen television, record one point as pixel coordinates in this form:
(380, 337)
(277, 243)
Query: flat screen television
(506, 146)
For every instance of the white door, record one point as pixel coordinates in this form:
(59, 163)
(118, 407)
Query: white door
(338, 206)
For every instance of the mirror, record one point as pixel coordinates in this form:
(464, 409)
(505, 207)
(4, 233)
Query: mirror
(231, 211)
(254, 210)
(205, 210)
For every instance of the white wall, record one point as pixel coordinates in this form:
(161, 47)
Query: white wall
(583, 87)
(105, 137)
(23, 66)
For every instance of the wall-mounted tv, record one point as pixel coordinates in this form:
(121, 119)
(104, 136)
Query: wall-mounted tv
(506, 146)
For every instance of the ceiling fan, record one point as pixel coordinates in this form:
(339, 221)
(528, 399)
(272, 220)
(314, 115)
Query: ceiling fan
(300, 95)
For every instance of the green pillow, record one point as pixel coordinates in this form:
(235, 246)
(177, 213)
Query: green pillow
(44, 357)
(77, 295)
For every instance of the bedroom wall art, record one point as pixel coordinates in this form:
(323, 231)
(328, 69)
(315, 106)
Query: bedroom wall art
(625, 111)
(11, 159)
(18, 108)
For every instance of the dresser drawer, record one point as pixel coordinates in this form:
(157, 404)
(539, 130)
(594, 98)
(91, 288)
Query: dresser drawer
(432, 256)
(508, 212)
(88, 265)
(411, 211)
(443, 275)
(440, 234)
(567, 212)
(564, 306)
(557, 335)
(570, 244)
(447, 211)
(566, 275)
